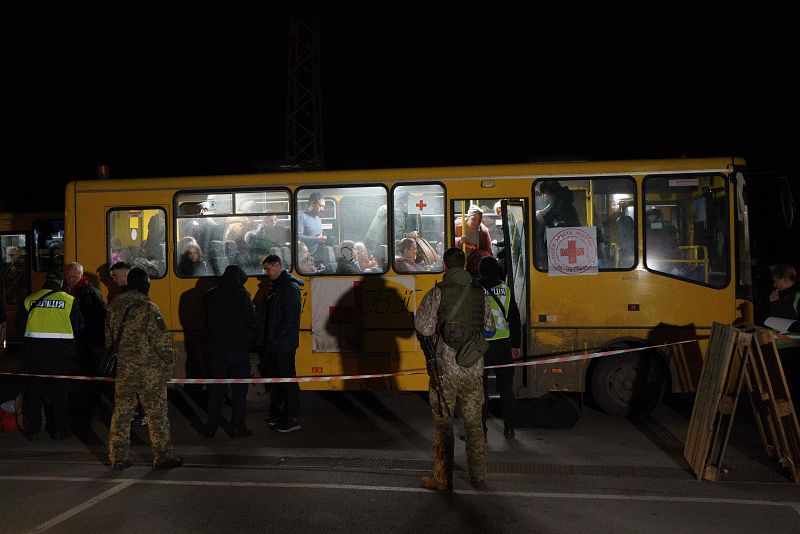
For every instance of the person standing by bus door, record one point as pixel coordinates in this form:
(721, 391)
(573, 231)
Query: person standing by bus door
(460, 386)
(50, 319)
(281, 337)
(504, 345)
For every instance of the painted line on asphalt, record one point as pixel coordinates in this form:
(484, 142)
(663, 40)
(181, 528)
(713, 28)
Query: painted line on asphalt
(121, 485)
(124, 483)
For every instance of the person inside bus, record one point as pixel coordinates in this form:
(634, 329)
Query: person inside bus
(406, 261)
(309, 223)
(557, 211)
(366, 262)
(346, 262)
(476, 236)
(119, 252)
(305, 261)
(192, 262)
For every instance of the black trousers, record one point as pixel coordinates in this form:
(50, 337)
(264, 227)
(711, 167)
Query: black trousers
(499, 353)
(228, 365)
(284, 397)
(56, 391)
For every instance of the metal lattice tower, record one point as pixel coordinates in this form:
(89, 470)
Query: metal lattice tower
(304, 97)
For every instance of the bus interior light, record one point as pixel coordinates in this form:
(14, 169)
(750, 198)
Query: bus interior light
(487, 183)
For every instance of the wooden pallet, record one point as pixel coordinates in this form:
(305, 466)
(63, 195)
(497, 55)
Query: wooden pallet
(717, 396)
(772, 404)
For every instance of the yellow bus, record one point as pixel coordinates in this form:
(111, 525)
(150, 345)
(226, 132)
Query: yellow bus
(31, 244)
(599, 255)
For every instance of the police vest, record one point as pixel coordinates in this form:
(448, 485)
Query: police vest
(502, 331)
(49, 318)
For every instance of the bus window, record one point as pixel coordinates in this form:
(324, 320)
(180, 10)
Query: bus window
(217, 229)
(14, 263)
(418, 227)
(49, 239)
(608, 204)
(138, 236)
(339, 230)
(686, 227)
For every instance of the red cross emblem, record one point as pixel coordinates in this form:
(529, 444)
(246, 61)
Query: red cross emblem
(421, 205)
(572, 252)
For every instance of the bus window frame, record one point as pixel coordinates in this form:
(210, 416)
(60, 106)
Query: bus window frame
(232, 191)
(727, 251)
(333, 186)
(166, 234)
(561, 180)
(390, 225)
(29, 267)
(33, 227)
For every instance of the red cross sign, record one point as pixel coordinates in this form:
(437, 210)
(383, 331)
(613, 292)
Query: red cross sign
(571, 252)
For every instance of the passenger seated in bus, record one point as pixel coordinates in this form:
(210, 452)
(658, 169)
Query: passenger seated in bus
(306, 262)
(366, 262)
(191, 262)
(241, 255)
(406, 261)
(309, 223)
(346, 262)
(119, 252)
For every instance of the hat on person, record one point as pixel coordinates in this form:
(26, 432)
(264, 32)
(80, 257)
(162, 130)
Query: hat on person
(474, 210)
(55, 275)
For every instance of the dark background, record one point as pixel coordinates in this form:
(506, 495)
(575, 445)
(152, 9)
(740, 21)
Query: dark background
(158, 90)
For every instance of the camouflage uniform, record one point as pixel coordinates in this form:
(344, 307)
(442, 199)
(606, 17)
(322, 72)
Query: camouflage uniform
(144, 365)
(460, 385)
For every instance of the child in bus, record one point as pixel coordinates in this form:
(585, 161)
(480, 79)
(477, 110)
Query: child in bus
(192, 262)
(346, 262)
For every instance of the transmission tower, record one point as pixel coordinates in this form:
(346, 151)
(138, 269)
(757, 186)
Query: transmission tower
(304, 97)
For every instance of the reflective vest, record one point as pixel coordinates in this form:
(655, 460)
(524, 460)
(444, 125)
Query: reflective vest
(49, 318)
(501, 291)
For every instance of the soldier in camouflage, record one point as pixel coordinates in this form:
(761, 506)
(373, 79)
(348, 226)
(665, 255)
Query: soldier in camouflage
(144, 365)
(461, 386)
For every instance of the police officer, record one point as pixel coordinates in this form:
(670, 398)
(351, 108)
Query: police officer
(50, 318)
(144, 365)
(460, 386)
(504, 344)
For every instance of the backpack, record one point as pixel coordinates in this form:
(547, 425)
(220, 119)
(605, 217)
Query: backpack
(470, 350)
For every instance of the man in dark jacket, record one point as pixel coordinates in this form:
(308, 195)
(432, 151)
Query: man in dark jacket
(230, 321)
(784, 303)
(281, 336)
(84, 395)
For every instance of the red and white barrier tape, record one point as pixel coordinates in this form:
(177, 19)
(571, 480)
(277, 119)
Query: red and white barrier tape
(540, 361)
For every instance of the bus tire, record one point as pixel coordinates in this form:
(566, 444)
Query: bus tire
(628, 385)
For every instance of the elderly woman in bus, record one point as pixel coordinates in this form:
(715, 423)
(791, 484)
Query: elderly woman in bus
(346, 262)
(406, 261)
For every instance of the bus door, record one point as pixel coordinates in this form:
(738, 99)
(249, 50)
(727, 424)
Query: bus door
(517, 261)
(15, 279)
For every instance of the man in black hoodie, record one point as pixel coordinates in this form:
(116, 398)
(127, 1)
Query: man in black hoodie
(230, 321)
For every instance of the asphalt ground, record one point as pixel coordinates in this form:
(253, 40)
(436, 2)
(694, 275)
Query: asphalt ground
(356, 464)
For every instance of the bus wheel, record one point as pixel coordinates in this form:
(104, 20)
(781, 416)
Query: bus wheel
(628, 385)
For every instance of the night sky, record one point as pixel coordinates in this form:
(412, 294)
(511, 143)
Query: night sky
(156, 90)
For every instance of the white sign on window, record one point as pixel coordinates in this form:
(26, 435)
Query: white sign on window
(572, 251)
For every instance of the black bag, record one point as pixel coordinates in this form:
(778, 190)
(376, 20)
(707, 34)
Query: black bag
(108, 365)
